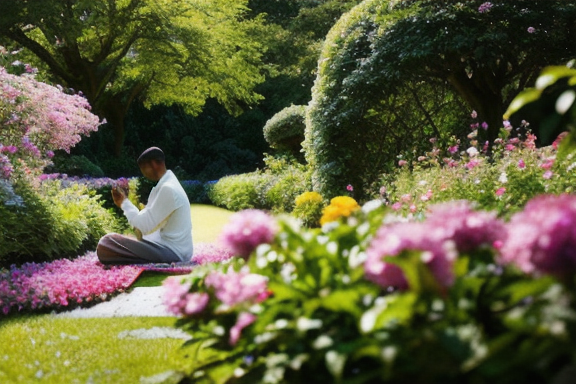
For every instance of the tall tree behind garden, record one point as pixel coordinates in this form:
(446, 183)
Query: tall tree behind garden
(162, 52)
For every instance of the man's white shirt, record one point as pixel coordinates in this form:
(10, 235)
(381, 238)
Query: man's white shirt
(166, 218)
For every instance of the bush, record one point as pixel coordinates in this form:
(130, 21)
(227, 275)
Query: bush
(514, 173)
(308, 208)
(74, 166)
(285, 130)
(197, 191)
(368, 299)
(274, 188)
(51, 222)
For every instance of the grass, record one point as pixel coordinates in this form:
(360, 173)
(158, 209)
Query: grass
(207, 222)
(49, 349)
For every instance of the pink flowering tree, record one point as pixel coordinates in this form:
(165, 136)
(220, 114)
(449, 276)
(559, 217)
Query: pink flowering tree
(37, 120)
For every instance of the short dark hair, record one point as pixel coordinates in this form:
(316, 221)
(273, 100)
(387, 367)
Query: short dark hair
(152, 153)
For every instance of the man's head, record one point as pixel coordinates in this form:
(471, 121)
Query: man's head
(152, 163)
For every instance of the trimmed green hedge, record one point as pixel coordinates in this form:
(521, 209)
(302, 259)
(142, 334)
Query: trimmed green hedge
(285, 130)
(275, 188)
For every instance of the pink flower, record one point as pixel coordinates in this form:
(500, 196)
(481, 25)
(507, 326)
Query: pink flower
(397, 206)
(349, 188)
(205, 253)
(474, 114)
(531, 29)
(500, 191)
(485, 7)
(453, 149)
(235, 288)
(195, 303)
(484, 125)
(247, 229)
(547, 164)
(542, 237)
(521, 164)
(244, 320)
(548, 175)
(402, 163)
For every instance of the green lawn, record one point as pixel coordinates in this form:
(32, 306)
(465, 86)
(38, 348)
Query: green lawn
(47, 349)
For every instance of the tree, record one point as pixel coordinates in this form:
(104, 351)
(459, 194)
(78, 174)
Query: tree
(488, 52)
(162, 52)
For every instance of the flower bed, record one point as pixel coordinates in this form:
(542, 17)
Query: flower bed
(62, 283)
(457, 295)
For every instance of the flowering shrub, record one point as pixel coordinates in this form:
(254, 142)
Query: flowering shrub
(246, 230)
(504, 180)
(339, 206)
(38, 119)
(371, 297)
(308, 208)
(61, 283)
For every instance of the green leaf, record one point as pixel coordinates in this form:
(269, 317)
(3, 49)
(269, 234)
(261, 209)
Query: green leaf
(525, 288)
(344, 301)
(525, 97)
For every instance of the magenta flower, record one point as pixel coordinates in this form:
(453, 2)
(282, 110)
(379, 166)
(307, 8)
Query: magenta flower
(542, 237)
(521, 164)
(531, 29)
(175, 292)
(485, 7)
(244, 320)
(484, 125)
(500, 191)
(61, 283)
(469, 229)
(236, 288)
(349, 188)
(453, 149)
(392, 240)
(247, 229)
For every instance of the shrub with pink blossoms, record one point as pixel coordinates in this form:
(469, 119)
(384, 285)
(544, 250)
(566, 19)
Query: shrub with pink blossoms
(37, 119)
(542, 237)
(246, 230)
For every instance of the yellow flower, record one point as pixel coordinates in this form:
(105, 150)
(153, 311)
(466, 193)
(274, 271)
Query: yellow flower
(340, 206)
(308, 197)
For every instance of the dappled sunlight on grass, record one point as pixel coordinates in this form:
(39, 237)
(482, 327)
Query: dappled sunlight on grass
(85, 350)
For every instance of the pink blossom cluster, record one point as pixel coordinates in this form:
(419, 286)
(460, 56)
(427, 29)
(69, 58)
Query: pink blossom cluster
(485, 7)
(449, 229)
(179, 301)
(205, 253)
(247, 229)
(237, 288)
(542, 237)
(61, 283)
(38, 118)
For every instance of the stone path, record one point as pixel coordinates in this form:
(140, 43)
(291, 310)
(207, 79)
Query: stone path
(141, 301)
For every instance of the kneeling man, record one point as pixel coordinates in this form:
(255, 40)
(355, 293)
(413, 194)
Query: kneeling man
(165, 222)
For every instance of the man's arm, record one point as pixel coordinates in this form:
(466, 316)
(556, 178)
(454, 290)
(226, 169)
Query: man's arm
(153, 215)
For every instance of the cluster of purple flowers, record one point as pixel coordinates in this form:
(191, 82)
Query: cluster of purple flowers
(449, 229)
(62, 282)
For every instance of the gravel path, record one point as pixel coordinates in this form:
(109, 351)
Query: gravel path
(141, 301)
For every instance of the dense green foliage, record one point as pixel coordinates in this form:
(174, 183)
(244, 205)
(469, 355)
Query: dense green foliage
(273, 188)
(285, 130)
(51, 223)
(392, 73)
(357, 119)
(170, 52)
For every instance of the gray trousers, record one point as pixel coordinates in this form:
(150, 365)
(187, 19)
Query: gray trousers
(114, 248)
